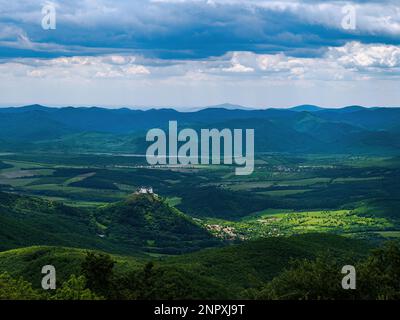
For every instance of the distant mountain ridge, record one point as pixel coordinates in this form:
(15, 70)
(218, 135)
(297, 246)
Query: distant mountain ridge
(306, 107)
(305, 129)
(227, 106)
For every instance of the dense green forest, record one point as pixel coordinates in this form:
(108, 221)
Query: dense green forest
(299, 267)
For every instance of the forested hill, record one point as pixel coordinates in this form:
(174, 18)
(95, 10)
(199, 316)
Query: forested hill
(217, 273)
(136, 226)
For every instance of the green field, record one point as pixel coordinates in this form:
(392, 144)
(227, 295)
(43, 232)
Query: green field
(287, 223)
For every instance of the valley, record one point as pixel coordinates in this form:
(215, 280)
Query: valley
(287, 194)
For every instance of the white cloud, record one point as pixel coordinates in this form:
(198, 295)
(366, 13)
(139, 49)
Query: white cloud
(113, 66)
(359, 55)
(353, 61)
(236, 65)
(135, 69)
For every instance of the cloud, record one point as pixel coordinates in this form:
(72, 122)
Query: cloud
(192, 29)
(366, 57)
(236, 66)
(210, 51)
(78, 67)
(353, 61)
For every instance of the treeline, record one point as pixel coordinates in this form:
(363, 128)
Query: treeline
(377, 277)
(98, 281)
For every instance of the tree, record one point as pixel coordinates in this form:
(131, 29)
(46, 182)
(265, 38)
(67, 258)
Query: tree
(377, 277)
(97, 268)
(75, 289)
(315, 280)
(16, 289)
(168, 283)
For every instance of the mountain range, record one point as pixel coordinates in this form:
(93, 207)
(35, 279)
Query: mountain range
(302, 129)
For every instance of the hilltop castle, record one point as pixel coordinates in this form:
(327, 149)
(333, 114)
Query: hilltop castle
(145, 190)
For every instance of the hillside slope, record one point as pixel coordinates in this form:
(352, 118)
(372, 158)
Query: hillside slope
(211, 273)
(253, 262)
(152, 225)
(28, 262)
(129, 227)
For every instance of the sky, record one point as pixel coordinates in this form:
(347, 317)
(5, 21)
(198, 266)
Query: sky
(191, 53)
